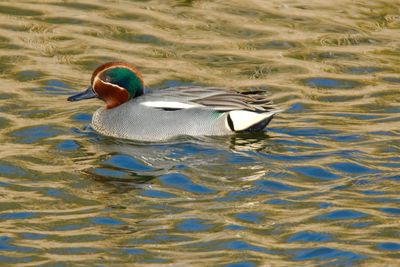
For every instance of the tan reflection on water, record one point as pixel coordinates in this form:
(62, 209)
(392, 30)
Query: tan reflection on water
(337, 60)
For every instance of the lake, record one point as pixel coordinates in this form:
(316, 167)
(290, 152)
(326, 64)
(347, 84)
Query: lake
(320, 187)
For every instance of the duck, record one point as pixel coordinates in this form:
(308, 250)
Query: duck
(135, 113)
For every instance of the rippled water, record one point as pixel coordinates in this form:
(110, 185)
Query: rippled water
(321, 187)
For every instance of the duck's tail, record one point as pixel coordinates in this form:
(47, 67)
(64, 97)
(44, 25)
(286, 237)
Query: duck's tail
(249, 121)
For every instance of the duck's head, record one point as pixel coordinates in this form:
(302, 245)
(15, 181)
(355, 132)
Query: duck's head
(114, 83)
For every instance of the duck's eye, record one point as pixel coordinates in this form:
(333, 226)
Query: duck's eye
(108, 79)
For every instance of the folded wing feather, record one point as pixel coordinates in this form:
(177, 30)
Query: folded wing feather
(213, 98)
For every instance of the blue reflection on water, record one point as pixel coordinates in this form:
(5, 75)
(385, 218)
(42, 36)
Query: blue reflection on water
(350, 167)
(325, 205)
(157, 194)
(109, 173)
(182, 182)
(17, 215)
(54, 192)
(361, 224)
(127, 162)
(241, 264)
(331, 83)
(295, 108)
(134, 251)
(307, 236)
(235, 227)
(28, 75)
(19, 259)
(35, 133)
(278, 202)
(193, 225)
(82, 117)
(315, 172)
(105, 221)
(160, 237)
(55, 87)
(9, 170)
(68, 145)
(275, 186)
(363, 70)
(238, 245)
(372, 192)
(71, 226)
(242, 245)
(341, 258)
(391, 79)
(389, 246)
(34, 236)
(6, 246)
(56, 83)
(342, 215)
(392, 211)
(251, 217)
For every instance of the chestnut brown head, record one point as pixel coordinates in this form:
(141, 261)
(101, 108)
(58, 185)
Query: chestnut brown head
(114, 83)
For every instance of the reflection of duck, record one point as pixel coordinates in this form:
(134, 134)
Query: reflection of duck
(219, 158)
(158, 115)
(206, 157)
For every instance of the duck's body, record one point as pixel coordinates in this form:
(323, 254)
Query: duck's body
(162, 114)
(152, 124)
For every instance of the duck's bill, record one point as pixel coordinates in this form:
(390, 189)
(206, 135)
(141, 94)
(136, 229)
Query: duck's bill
(87, 94)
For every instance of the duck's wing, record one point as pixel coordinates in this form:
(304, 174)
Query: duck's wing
(210, 97)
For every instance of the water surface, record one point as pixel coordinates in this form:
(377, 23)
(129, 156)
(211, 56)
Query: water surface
(320, 187)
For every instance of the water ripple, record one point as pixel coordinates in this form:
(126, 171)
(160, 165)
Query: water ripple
(319, 187)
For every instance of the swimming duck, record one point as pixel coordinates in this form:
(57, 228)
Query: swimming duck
(131, 112)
